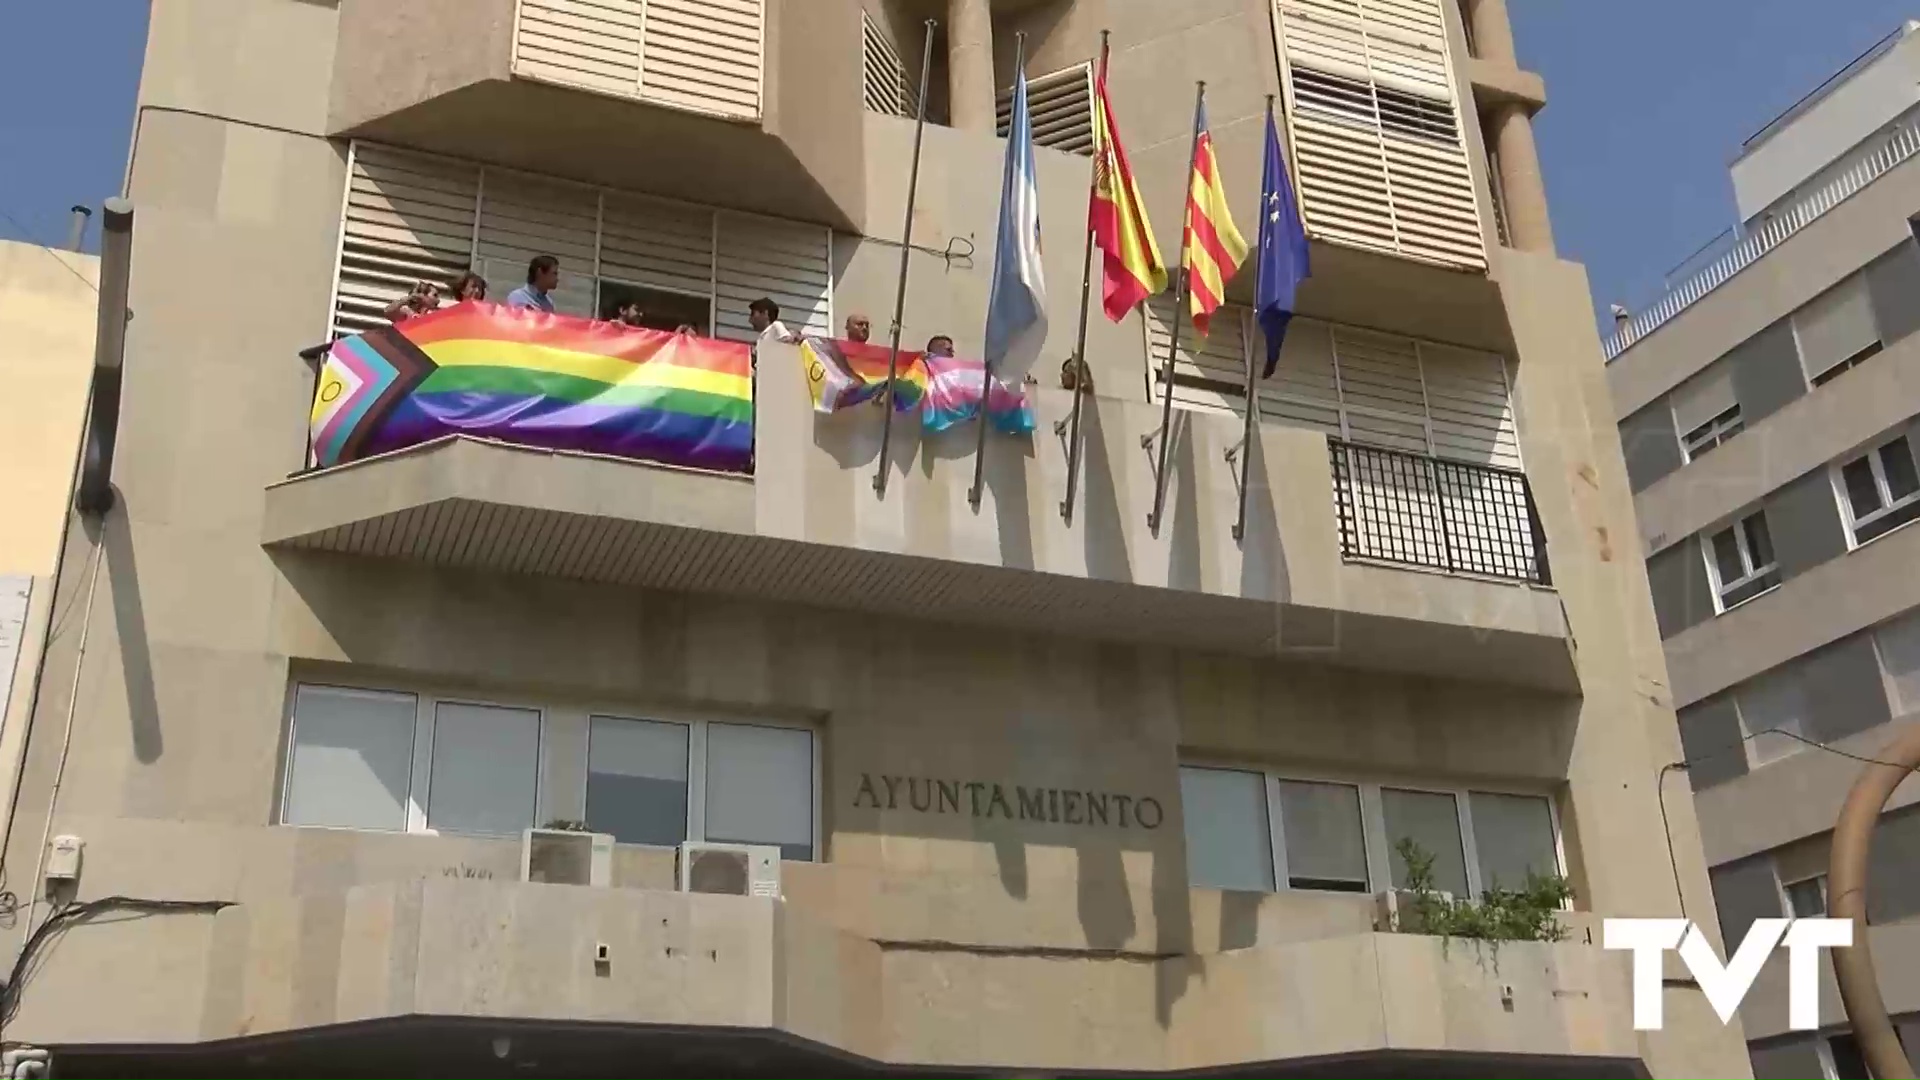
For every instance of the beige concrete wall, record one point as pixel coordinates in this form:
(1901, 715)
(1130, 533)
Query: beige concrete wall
(263, 64)
(47, 316)
(1838, 243)
(383, 66)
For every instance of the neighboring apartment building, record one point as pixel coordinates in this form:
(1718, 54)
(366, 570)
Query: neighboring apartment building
(1770, 411)
(1047, 796)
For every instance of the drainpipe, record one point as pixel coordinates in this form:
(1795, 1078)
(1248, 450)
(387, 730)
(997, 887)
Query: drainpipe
(95, 496)
(1847, 889)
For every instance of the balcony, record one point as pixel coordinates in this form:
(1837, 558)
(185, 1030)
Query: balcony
(740, 103)
(1315, 577)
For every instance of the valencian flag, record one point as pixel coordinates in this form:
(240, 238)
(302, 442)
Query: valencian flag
(1116, 216)
(1214, 248)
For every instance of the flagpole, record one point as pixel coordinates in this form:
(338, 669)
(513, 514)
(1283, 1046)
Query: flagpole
(1253, 394)
(906, 254)
(1179, 316)
(986, 365)
(1082, 373)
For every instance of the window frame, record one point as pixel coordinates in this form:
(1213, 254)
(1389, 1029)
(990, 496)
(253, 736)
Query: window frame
(1786, 896)
(562, 754)
(1695, 444)
(1890, 507)
(697, 725)
(1744, 545)
(1373, 824)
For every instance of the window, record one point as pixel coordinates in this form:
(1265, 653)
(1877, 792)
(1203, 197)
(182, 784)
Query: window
(1740, 561)
(659, 308)
(408, 762)
(1806, 898)
(1247, 830)
(1842, 1058)
(1712, 433)
(1836, 330)
(1898, 643)
(1772, 709)
(658, 782)
(1880, 490)
(1848, 364)
(1060, 106)
(486, 769)
(352, 758)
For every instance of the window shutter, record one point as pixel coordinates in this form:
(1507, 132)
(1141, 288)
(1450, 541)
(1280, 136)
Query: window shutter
(1703, 397)
(1835, 326)
(1381, 388)
(1061, 107)
(658, 245)
(704, 55)
(787, 262)
(407, 218)
(887, 90)
(1469, 406)
(1374, 126)
(592, 44)
(1303, 391)
(521, 217)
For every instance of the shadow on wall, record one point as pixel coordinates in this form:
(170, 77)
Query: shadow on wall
(114, 534)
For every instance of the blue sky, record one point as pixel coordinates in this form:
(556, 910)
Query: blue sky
(1648, 101)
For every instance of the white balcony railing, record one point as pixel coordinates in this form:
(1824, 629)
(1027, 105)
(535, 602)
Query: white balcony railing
(1904, 144)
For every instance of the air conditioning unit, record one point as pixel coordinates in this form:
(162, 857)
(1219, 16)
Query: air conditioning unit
(731, 869)
(564, 857)
(1393, 912)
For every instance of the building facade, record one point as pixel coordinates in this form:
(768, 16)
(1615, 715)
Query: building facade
(1767, 415)
(1049, 794)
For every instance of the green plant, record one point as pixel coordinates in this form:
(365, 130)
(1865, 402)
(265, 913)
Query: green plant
(1528, 913)
(566, 825)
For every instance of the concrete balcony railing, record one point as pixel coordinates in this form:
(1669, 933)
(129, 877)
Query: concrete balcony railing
(751, 104)
(1325, 571)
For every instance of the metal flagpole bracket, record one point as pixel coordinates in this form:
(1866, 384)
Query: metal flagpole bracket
(906, 254)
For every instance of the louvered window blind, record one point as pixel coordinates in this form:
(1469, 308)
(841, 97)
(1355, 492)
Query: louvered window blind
(411, 216)
(1061, 106)
(1360, 385)
(885, 76)
(1375, 129)
(700, 55)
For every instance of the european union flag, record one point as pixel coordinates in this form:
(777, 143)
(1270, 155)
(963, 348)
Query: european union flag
(1283, 249)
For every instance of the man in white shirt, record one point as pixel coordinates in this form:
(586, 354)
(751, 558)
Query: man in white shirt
(764, 316)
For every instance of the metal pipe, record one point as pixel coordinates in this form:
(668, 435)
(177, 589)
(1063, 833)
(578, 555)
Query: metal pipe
(1179, 313)
(1847, 899)
(906, 253)
(95, 495)
(77, 232)
(1252, 411)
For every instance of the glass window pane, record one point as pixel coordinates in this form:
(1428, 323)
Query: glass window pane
(1512, 836)
(1807, 899)
(1848, 1062)
(1862, 494)
(352, 758)
(486, 769)
(1430, 820)
(637, 780)
(760, 787)
(1228, 844)
(1726, 557)
(1896, 458)
(1759, 542)
(1899, 643)
(1326, 848)
(1775, 701)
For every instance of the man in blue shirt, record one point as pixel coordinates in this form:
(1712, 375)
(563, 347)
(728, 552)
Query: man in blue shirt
(543, 276)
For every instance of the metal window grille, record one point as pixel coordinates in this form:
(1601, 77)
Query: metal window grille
(1415, 510)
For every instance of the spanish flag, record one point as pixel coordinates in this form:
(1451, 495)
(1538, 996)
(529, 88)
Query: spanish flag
(1214, 248)
(1115, 216)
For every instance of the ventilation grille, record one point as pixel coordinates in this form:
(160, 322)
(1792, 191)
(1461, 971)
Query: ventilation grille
(711, 871)
(1061, 108)
(1375, 129)
(701, 55)
(887, 89)
(412, 216)
(593, 44)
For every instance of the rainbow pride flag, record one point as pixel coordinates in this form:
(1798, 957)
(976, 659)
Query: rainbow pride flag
(953, 397)
(536, 379)
(842, 374)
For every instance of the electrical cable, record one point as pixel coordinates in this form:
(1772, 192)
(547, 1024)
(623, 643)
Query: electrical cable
(51, 252)
(74, 914)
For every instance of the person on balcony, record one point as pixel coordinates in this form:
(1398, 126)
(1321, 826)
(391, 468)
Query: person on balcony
(422, 298)
(764, 316)
(629, 314)
(859, 328)
(469, 286)
(543, 276)
(940, 345)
